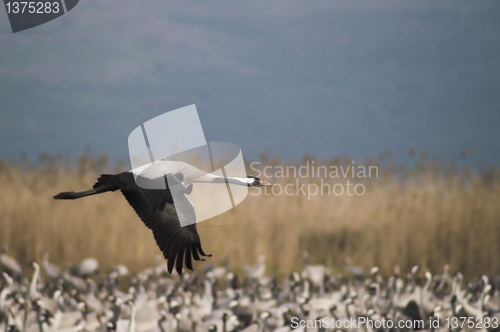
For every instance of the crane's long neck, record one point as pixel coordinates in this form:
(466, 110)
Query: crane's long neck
(211, 178)
(33, 291)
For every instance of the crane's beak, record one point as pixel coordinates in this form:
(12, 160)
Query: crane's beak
(265, 184)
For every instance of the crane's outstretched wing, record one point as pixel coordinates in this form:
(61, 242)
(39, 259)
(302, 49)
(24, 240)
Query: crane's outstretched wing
(156, 209)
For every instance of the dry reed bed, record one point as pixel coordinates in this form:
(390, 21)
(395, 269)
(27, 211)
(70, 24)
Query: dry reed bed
(431, 214)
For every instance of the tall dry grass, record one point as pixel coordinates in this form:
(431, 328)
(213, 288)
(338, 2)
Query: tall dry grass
(432, 213)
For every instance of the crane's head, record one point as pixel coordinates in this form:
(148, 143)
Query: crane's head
(258, 182)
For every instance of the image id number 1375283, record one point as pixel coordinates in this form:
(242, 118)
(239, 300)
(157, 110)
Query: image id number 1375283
(471, 322)
(32, 7)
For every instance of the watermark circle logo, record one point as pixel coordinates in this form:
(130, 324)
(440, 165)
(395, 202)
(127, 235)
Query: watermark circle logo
(24, 15)
(202, 179)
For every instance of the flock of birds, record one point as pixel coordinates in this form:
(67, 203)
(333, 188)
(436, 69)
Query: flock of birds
(314, 299)
(80, 298)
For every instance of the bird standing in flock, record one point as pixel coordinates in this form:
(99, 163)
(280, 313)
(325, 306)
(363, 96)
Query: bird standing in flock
(157, 301)
(156, 207)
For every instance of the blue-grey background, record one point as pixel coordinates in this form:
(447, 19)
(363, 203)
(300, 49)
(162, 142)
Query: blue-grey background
(323, 78)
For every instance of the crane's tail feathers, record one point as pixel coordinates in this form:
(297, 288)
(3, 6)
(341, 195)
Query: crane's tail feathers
(105, 183)
(110, 181)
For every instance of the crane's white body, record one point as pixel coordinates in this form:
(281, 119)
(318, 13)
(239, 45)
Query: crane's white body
(159, 169)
